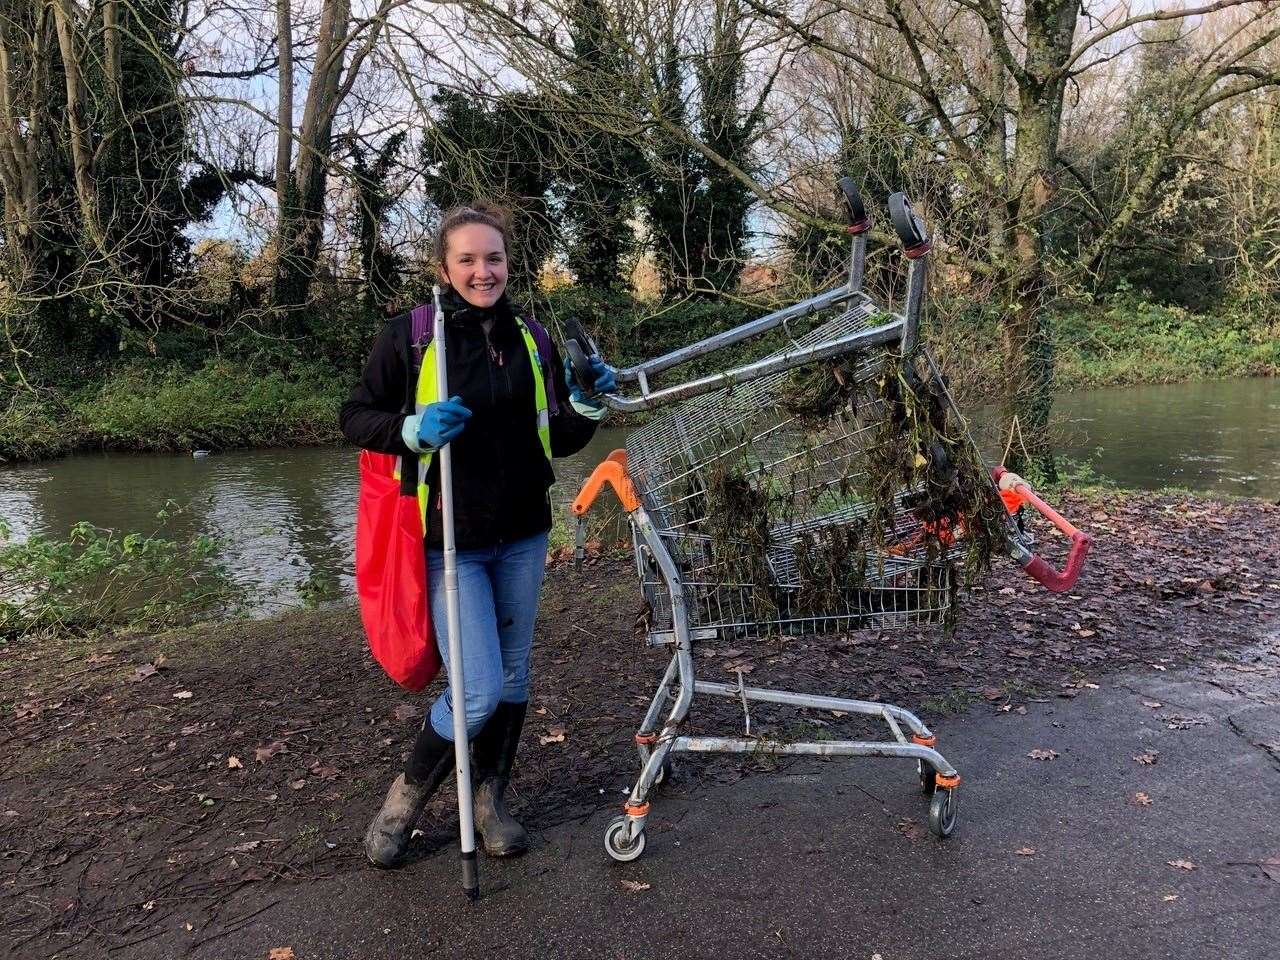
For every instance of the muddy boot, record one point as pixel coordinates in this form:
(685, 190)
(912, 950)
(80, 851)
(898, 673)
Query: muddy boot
(495, 752)
(388, 835)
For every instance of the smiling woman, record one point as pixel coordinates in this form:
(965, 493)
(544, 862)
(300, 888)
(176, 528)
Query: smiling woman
(512, 406)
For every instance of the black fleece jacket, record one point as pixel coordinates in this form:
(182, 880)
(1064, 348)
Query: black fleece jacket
(500, 473)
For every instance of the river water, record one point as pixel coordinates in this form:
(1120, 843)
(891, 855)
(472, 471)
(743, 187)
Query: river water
(285, 518)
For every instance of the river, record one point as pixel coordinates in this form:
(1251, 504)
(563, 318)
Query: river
(285, 517)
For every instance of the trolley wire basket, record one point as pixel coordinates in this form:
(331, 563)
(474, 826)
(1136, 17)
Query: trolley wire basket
(830, 485)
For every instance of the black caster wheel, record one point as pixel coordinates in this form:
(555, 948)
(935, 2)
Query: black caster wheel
(617, 846)
(942, 813)
(928, 778)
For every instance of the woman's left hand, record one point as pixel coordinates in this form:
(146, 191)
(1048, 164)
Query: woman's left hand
(605, 382)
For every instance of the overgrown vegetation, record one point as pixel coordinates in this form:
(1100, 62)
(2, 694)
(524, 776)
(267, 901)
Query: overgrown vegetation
(97, 579)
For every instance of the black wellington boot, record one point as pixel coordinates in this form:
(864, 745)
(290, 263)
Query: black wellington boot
(495, 752)
(388, 835)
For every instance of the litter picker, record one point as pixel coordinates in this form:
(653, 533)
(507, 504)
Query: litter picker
(457, 683)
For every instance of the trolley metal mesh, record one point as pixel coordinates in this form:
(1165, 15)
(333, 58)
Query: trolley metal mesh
(815, 470)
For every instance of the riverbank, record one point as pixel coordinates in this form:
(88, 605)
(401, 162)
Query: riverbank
(166, 787)
(161, 406)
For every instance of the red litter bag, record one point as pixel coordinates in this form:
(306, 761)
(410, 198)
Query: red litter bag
(391, 575)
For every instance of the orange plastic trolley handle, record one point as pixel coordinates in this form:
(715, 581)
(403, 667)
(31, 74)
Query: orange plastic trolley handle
(613, 471)
(1015, 491)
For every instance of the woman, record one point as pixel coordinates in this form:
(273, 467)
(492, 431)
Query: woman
(514, 406)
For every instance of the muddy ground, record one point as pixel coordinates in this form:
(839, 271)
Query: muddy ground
(183, 781)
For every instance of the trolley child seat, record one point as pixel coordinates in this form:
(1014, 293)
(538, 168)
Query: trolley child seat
(831, 485)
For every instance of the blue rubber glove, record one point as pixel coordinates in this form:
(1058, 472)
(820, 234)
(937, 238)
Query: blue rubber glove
(605, 382)
(440, 423)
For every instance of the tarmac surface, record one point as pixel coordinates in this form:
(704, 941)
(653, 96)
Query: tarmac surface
(1154, 831)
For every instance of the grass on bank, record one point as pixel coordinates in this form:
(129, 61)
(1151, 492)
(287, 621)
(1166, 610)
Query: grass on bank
(181, 404)
(165, 408)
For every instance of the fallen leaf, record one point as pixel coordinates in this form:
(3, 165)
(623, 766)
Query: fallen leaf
(1007, 591)
(1169, 897)
(183, 695)
(1271, 867)
(553, 735)
(233, 763)
(1141, 799)
(189, 927)
(1153, 704)
(1181, 864)
(911, 830)
(1026, 851)
(405, 712)
(149, 905)
(323, 771)
(245, 847)
(636, 886)
(297, 784)
(541, 711)
(263, 754)
(281, 953)
(1149, 758)
(1043, 754)
(142, 672)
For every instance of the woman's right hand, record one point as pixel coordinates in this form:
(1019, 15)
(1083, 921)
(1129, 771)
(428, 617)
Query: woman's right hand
(441, 422)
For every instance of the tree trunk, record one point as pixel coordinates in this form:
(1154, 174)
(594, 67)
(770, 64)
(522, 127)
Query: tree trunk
(1028, 340)
(301, 219)
(284, 120)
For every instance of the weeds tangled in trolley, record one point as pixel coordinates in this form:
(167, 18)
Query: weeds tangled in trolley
(915, 488)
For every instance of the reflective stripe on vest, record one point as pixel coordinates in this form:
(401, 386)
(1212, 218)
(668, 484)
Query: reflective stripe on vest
(428, 392)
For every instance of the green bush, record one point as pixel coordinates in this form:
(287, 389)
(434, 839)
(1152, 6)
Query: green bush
(1133, 341)
(223, 404)
(97, 579)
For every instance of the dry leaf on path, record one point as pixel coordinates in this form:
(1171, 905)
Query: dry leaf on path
(1181, 864)
(1153, 704)
(233, 763)
(635, 886)
(554, 735)
(265, 753)
(183, 695)
(142, 672)
(1169, 897)
(1026, 851)
(405, 712)
(1149, 757)
(1043, 754)
(281, 953)
(911, 830)
(1141, 799)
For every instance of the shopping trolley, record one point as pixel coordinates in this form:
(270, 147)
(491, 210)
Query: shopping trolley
(751, 516)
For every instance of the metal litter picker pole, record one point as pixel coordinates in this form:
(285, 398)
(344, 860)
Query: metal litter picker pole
(457, 685)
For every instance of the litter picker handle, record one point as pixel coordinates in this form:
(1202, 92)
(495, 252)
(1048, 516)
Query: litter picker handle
(580, 347)
(1015, 491)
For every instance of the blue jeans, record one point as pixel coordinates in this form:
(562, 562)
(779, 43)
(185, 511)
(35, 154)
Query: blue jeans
(498, 599)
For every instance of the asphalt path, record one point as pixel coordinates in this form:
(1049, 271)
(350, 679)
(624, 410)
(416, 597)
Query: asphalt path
(1146, 834)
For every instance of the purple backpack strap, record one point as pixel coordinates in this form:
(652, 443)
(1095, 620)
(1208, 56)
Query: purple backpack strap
(543, 342)
(422, 318)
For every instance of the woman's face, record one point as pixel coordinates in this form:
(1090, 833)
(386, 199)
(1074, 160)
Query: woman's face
(475, 263)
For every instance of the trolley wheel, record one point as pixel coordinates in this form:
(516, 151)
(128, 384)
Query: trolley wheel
(615, 843)
(928, 778)
(942, 812)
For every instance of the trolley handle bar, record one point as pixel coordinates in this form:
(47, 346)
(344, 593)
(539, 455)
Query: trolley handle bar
(745, 331)
(1013, 487)
(891, 332)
